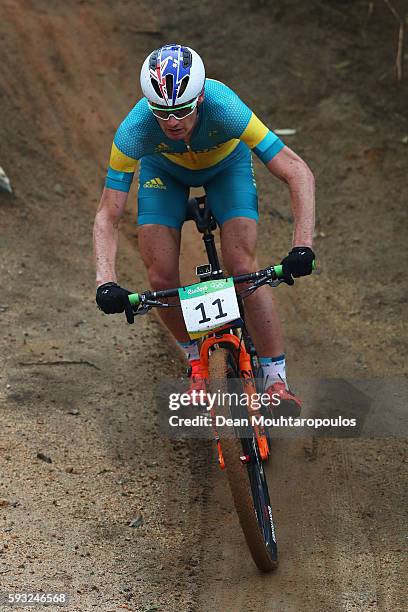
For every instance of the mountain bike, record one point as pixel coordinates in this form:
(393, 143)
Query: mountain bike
(214, 313)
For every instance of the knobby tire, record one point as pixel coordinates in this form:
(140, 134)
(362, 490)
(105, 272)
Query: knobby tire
(236, 470)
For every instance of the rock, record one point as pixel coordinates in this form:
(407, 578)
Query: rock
(59, 190)
(44, 457)
(137, 522)
(342, 65)
(285, 132)
(5, 182)
(80, 322)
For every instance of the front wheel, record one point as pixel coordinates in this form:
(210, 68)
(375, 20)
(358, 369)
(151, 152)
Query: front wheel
(244, 468)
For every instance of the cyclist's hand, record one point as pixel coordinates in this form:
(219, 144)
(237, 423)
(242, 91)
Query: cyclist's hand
(112, 299)
(298, 262)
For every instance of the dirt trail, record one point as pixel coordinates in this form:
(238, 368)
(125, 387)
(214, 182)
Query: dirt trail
(80, 388)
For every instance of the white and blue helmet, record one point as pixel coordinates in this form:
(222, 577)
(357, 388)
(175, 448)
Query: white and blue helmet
(172, 75)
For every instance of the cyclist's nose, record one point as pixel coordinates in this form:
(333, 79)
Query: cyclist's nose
(173, 122)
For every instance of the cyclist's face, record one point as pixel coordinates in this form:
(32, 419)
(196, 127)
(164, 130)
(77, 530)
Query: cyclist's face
(180, 129)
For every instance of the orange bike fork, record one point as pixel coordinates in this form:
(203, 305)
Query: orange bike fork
(248, 382)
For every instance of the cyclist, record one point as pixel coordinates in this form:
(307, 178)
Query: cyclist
(189, 131)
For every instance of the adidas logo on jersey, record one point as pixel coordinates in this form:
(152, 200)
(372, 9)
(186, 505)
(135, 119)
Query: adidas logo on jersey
(161, 147)
(155, 183)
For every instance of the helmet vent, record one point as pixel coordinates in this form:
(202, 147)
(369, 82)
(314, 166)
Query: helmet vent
(183, 85)
(156, 88)
(169, 85)
(187, 58)
(153, 60)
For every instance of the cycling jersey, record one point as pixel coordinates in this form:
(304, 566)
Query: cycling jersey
(224, 124)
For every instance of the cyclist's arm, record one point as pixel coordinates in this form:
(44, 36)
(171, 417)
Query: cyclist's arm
(291, 169)
(106, 235)
(111, 208)
(281, 162)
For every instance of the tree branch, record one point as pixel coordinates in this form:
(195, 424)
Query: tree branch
(399, 61)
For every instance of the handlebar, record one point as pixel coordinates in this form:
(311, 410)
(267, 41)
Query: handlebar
(261, 277)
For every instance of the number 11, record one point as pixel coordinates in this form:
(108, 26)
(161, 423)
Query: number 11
(220, 314)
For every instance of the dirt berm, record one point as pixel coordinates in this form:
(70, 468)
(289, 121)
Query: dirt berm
(80, 455)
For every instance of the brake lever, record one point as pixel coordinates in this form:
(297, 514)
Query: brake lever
(275, 283)
(252, 288)
(161, 304)
(259, 283)
(147, 305)
(142, 309)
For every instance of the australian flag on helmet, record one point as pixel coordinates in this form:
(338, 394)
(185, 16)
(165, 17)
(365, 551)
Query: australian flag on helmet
(170, 72)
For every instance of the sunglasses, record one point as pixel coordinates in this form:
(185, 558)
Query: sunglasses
(181, 112)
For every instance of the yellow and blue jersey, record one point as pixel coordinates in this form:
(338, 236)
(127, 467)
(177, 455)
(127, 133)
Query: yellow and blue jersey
(225, 125)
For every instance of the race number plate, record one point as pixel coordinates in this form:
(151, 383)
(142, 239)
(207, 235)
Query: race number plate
(208, 305)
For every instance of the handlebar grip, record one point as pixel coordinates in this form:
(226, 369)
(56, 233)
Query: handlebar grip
(134, 299)
(279, 269)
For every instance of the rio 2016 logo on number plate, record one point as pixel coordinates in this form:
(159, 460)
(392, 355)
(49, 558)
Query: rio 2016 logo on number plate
(208, 305)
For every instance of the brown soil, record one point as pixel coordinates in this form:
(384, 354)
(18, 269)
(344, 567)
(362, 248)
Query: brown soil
(79, 387)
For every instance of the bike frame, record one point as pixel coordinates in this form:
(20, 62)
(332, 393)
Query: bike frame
(237, 346)
(225, 336)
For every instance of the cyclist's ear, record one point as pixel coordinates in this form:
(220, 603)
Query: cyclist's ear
(200, 98)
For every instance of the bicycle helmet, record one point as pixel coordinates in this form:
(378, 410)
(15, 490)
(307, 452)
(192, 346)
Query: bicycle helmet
(172, 75)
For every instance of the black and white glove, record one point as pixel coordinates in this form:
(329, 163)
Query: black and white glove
(298, 262)
(112, 299)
